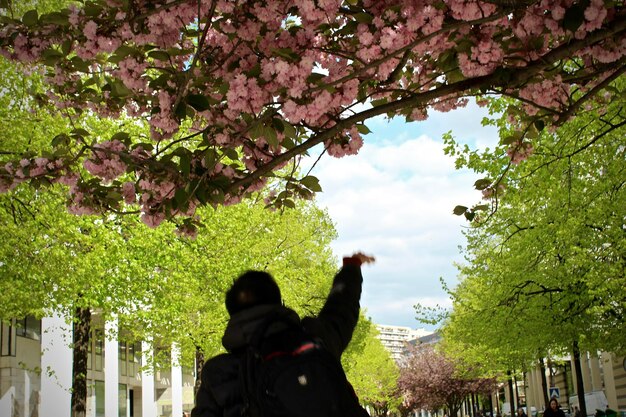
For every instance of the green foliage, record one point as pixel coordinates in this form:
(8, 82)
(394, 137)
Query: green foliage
(370, 368)
(545, 265)
(159, 286)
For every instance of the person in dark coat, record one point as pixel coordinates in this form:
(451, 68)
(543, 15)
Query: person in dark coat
(554, 410)
(255, 296)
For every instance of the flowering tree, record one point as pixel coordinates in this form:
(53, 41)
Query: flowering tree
(233, 91)
(372, 371)
(432, 381)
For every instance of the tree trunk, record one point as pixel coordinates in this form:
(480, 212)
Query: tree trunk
(580, 385)
(568, 388)
(517, 402)
(473, 405)
(544, 383)
(199, 365)
(511, 395)
(82, 328)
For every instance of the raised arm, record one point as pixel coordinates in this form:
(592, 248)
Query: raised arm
(340, 313)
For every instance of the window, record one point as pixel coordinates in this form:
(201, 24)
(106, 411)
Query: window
(134, 358)
(122, 358)
(90, 353)
(8, 343)
(29, 327)
(99, 398)
(137, 358)
(99, 349)
(122, 400)
(131, 356)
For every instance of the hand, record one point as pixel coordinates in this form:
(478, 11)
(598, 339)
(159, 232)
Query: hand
(364, 259)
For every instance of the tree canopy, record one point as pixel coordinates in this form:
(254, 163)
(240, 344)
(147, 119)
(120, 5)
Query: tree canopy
(157, 284)
(430, 380)
(550, 255)
(371, 370)
(234, 92)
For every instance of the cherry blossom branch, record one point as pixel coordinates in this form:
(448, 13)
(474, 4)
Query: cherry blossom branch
(156, 10)
(591, 93)
(516, 76)
(418, 41)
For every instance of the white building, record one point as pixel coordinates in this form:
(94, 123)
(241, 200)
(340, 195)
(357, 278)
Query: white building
(395, 338)
(36, 374)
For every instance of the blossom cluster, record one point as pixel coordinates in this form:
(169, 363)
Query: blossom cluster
(240, 85)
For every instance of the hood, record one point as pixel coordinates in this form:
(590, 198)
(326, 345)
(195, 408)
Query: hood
(243, 325)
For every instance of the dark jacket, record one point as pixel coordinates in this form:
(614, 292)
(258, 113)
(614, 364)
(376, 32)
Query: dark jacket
(220, 393)
(549, 412)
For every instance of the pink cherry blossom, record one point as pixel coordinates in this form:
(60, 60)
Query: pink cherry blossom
(224, 103)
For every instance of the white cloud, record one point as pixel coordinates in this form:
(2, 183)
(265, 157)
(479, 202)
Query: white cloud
(395, 200)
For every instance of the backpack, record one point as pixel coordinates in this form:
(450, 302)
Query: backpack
(289, 373)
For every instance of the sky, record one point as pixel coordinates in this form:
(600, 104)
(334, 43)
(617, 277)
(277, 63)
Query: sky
(394, 200)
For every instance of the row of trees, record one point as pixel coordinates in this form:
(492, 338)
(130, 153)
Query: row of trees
(168, 106)
(158, 285)
(544, 268)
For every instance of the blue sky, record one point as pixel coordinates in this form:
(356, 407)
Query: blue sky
(394, 200)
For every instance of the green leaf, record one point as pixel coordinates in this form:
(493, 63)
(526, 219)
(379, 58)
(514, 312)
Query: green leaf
(379, 102)
(61, 140)
(482, 183)
(458, 210)
(288, 129)
(66, 47)
(160, 55)
(515, 137)
(92, 9)
(574, 17)
(210, 158)
(114, 196)
(198, 102)
(289, 203)
(270, 136)
(79, 64)
(185, 164)
(312, 183)
(31, 18)
(200, 191)
(364, 130)
(79, 132)
(286, 53)
(181, 197)
(288, 143)
(540, 124)
(121, 136)
(231, 153)
(118, 89)
(277, 124)
(363, 18)
(51, 56)
(55, 18)
(125, 50)
(315, 77)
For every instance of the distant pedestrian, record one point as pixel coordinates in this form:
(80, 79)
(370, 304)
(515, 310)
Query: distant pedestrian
(521, 413)
(554, 410)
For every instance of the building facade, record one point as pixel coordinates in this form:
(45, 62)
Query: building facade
(604, 381)
(395, 338)
(36, 374)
